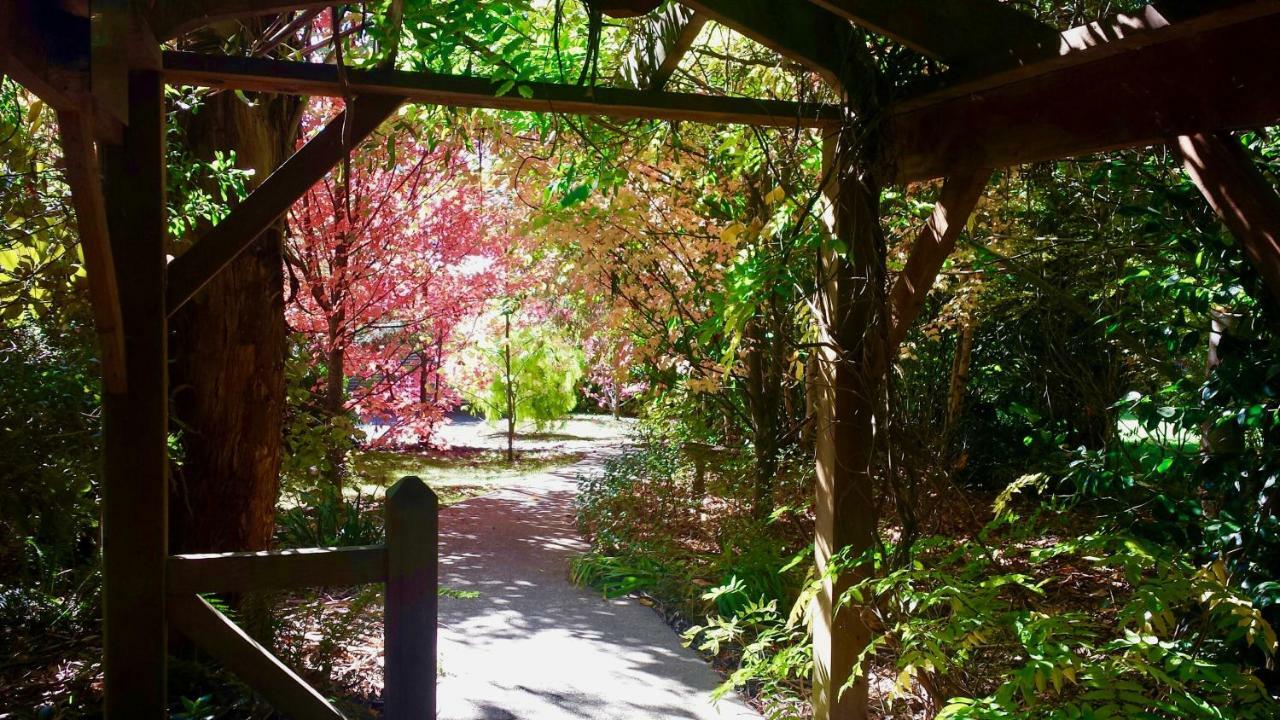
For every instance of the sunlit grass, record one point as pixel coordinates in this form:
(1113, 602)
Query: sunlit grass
(454, 475)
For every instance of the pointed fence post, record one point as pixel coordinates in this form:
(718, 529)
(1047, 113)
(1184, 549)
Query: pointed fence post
(411, 601)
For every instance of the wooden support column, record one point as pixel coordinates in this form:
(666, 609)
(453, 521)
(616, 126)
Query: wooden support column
(847, 393)
(1220, 166)
(136, 468)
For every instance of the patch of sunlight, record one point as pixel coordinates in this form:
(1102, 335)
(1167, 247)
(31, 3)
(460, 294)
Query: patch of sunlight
(455, 475)
(1167, 435)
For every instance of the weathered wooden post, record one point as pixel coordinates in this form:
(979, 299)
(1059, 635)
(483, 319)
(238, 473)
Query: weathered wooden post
(135, 481)
(409, 629)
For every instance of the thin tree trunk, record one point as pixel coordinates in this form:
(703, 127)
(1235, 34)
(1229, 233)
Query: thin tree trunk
(1218, 443)
(511, 394)
(959, 374)
(762, 400)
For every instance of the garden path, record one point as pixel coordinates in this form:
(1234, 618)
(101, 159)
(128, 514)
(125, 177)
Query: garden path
(533, 646)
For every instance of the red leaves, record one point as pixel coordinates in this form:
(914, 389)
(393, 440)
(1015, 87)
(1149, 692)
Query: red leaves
(387, 262)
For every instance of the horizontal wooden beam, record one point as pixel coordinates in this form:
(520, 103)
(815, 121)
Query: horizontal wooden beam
(795, 29)
(172, 18)
(212, 632)
(984, 34)
(276, 570)
(1209, 73)
(192, 270)
(474, 92)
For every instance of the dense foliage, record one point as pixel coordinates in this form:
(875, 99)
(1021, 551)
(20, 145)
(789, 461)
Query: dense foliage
(1075, 465)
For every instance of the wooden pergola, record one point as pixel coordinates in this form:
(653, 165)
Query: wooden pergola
(1016, 91)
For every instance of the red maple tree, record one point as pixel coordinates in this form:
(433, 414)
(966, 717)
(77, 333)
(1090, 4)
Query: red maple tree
(386, 257)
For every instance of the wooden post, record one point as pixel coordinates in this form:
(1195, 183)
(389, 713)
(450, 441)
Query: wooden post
(135, 473)
(411, 601)
(846, 391)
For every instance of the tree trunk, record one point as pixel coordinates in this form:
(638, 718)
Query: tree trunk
(763, 402)
(335, 396)
(1220, 444)
(228, 349)
(959, 374)
(511, 394)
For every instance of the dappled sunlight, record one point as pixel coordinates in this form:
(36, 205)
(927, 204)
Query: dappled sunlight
(532, 644)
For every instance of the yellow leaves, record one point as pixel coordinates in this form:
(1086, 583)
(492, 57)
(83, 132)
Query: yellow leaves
(1215, 592)
(973, 640)
(708, 385)
(775, 196)
(729, 235)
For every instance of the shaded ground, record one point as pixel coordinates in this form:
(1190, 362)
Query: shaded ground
(533, 645)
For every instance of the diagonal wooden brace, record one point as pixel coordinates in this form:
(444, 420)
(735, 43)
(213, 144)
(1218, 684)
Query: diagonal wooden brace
(1221, 167)
(959, 196)
(265, 205)
(85, 180)
(215, 634)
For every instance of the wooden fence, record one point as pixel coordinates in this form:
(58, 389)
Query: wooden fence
(407, 563)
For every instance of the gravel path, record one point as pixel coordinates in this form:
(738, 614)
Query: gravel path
(534, 646)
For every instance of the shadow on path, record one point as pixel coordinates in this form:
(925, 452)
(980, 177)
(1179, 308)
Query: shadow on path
(533, 645)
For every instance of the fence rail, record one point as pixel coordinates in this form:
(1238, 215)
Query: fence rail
(408, 564)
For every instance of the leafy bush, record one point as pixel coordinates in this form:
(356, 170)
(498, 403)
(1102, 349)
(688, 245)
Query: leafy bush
(313, 439)
(775, 654)
(325, 517)
(1097, 627)
(638, 501)
(48, 515)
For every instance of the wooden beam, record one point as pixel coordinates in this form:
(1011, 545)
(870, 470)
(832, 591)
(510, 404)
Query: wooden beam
(171, 18)
(135, 485)
(660, 42)
(268, 202)
(1244, 199)
(975, 34)
(935, 243)
(796, 29)
(276, 570)
(212, 632)
(460, 91)
(1209, 73)
(45, 50)
(85, 180)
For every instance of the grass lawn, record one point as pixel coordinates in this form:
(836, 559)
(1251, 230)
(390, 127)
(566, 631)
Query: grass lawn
(455, 475)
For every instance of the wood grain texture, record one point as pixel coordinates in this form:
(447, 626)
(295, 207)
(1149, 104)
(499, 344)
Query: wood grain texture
(85, 179)
(933, 245)
(1244, 199)
(1143, 90)
(474, 92)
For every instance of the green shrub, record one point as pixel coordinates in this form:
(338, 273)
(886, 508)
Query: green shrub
(325, 517)
(1009, 634)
